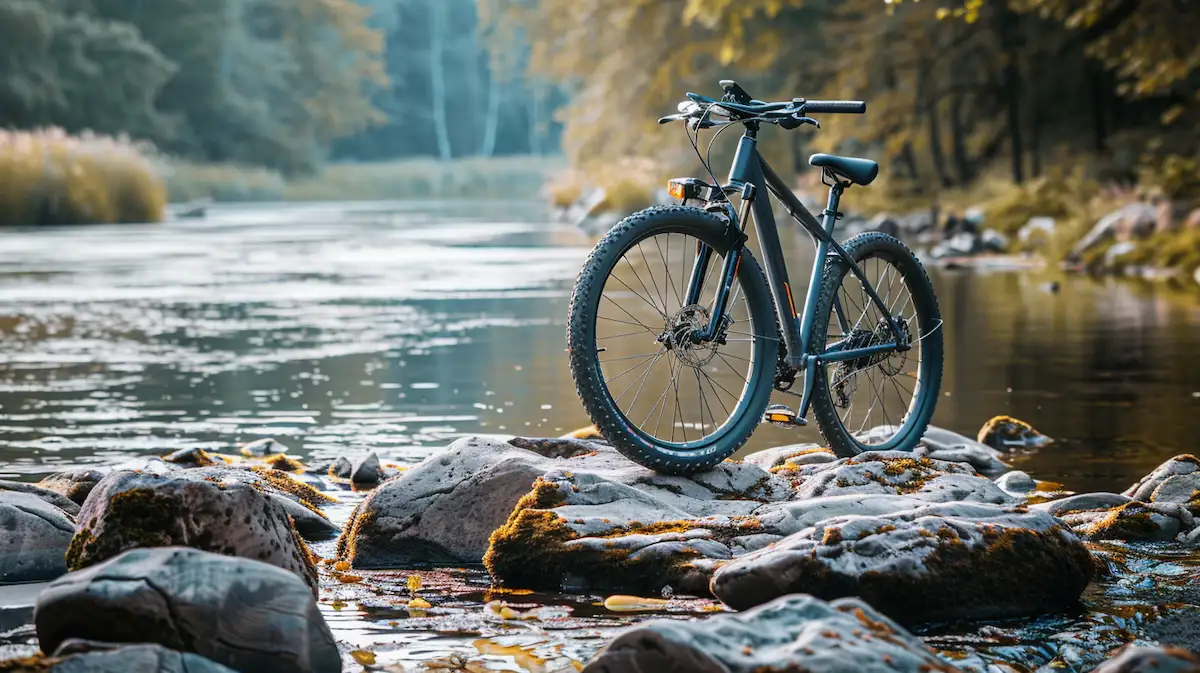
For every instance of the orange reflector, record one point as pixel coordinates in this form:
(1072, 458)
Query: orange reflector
(779, 418)
(675, 189)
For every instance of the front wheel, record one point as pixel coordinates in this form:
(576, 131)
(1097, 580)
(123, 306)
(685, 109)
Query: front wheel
(662, 396)
(882, 401)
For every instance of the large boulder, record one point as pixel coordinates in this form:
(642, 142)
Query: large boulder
(73, 484)
(135, 509)
(243, 614)
(34, 536)
(51, 497)
(79, 657)
(936, 562)
(445, 509)
(793, 633)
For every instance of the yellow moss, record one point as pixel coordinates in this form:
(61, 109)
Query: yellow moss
(38, 663)
(1131, 521)
(285, 483)
(1006, 427)
(283, 463)
(199, 458)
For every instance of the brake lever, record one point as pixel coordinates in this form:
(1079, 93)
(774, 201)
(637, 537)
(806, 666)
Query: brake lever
(805, 120)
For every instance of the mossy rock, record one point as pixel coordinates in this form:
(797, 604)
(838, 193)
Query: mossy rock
(939, 562)
(1006, 433)
(131, 510)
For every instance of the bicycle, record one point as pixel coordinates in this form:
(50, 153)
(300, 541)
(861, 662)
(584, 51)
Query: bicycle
(685, 325)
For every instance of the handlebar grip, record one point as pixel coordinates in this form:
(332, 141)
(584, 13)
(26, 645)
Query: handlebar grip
(836, 106)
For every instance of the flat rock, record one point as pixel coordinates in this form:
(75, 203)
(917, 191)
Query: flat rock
(935, 562)
(243, 614)
(1084, 502)
(1139, 659)
(131, 509)
(52, 497)
(793, 633)
(1148, 521)
(74, 484)
(34, 536)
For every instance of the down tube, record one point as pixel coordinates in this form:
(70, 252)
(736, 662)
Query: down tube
(775, 266)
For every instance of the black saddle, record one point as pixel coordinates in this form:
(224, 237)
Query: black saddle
(858, 171)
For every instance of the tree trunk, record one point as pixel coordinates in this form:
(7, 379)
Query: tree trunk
(962, 163)
(493, 115)
(935, 129)
(437, 76)
(1008, 30)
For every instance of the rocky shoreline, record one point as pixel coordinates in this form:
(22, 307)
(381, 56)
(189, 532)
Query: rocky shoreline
(940, 559)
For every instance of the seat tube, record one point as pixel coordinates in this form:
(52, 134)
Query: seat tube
(818, 269)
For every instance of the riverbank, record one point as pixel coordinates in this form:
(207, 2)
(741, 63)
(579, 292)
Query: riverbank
(398, 590)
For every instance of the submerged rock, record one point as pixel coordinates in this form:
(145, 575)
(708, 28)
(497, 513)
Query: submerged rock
(936, 562)
(1007, 433)
(34, 536)
(74, 484)
(86, 657)
(1135, 659)
(129, 510)
(51, 497)
(794, 633)
(246, 615)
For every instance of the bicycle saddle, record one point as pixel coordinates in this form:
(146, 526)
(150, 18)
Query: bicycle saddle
(858, 171)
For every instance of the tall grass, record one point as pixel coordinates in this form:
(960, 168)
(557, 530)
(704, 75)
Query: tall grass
(190, 181)
(469, 178)
(48, 177)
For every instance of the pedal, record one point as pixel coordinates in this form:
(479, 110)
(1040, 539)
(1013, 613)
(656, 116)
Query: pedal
(781, 415)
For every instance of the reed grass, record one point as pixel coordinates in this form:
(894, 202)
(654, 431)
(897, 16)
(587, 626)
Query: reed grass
(48, 177)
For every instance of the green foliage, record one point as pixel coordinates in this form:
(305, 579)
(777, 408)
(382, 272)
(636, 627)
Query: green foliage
(191, 181)
(48, 177)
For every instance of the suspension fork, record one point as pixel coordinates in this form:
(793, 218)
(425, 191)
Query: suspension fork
(729, 269)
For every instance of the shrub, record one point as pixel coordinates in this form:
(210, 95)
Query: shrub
(48, 177)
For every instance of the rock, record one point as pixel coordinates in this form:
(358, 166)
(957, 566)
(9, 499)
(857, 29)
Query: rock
(74, 484)
(1116, 251)
(793, 633)
(51, 497)
(245, 615)
(1131, 221)
(790, 457)
(1006, 433)
(1140, 521)
(1139, 659)
(193, 457)
(940, 444)
(130, 510)
(1084, 502)
(446, 508)
(895, 473)
(364, 470)
(298, 499)
(87, 657)
(1179, 479)
(1036, 231)
(1016, 483)
(885, 224)
(993, 241)
(590, 432)
(259, 448)
(937, 562)
(34, 536)
(1165, 215)
(959, 245)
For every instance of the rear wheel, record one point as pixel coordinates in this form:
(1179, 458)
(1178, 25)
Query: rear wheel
(661, 396)
(882, 401)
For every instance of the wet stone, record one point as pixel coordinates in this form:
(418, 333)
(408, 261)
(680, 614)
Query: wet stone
(260, 448)
(793, 633)
(365, 470)
(1176, 480)
(51, 497)
(1134, 659)
(1006, 433)
(74, 484)
(243, 614)
(86, 657)
(1016, 483)
(34, 536)
(936, 562)
(130, 510)
(193, 457)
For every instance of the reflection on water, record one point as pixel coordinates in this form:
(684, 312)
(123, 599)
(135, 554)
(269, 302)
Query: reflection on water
(396, 327)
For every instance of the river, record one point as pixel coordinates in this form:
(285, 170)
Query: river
(397, 327)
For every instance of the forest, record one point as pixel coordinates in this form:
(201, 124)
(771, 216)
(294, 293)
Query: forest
(284, 84)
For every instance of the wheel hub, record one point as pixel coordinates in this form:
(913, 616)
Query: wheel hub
(682, 336)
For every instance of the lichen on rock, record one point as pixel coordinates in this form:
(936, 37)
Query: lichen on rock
(936, 562)
(1006, 433)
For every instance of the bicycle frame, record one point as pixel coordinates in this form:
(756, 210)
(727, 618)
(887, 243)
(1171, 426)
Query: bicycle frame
(753, 177)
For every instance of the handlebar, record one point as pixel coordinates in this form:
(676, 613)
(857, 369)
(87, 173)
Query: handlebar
(737, 106)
